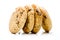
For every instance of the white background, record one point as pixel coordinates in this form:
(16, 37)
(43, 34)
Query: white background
(8, 6)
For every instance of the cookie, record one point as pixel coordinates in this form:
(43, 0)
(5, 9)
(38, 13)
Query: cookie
(30, 20)
(17, 20)
(37, 19)
(46, 21)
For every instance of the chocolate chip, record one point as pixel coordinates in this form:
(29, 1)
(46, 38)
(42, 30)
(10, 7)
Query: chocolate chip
(44, 16)
(17, 16)
(21, 12)
(29, 10)
(38, 12)
(17, 22)
(43, 22)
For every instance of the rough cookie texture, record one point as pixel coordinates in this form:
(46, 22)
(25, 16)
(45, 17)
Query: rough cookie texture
(17, 20)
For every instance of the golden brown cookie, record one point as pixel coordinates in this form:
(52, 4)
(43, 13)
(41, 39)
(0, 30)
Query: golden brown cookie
(37, 19)
(30, 20)
(17, 20)
(46, 22)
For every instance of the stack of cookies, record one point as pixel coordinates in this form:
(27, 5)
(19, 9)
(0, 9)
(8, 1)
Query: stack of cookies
(30, 19)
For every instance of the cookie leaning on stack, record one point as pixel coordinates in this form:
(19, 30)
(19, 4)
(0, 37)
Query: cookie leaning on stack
(30, 20)
(46, 21)
(37, 19)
